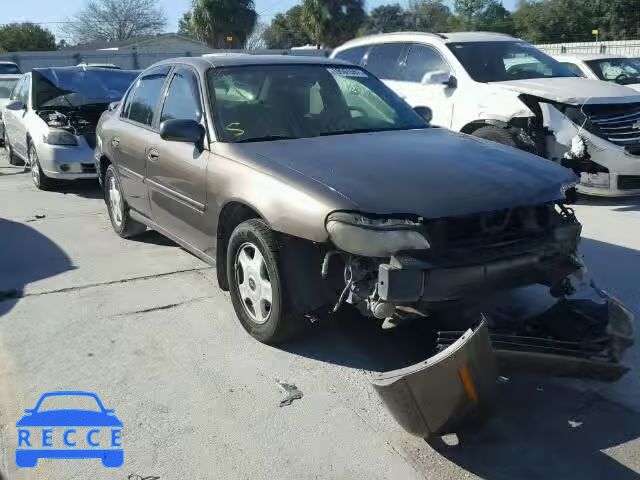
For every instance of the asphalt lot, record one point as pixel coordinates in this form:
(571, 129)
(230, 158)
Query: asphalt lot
(141, 323)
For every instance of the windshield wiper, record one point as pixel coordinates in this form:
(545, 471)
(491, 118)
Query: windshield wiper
(369, 130)
(266, 138)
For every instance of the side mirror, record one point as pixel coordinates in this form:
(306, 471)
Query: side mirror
(440, 77)
(424, 112)
(113, 106)
(188, 131)
(28, 410)
(109, 411)
(16, 106)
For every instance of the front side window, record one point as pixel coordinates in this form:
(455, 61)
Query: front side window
(383, 60)
(15, 93)
(143, 99)
(23, 93)
(6, 86)
(504, 61)
(261, 103)
(422, 60)
(183, 98)
(352, 55)
(624, 71)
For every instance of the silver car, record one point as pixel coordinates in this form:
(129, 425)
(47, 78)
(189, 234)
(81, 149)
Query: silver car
(51, 118)
(7, 84)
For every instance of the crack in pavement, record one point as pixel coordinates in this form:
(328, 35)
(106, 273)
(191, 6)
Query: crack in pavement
(13, 294)
(163, 307)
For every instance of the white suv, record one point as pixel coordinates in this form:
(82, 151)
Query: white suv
(503, 89)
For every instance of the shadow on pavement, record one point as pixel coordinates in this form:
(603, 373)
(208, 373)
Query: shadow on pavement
(530, 436)
(154, 238)
(25, 257)
(82, 188)
(623, 204)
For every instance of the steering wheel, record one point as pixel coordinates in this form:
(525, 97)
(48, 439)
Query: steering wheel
(622, 76)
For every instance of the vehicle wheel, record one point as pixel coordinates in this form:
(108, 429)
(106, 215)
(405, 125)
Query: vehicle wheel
(496, 134)
(121, 221)
(40, 180)
(13, 158)
(26, 459)
(258, 291)
(113, 459)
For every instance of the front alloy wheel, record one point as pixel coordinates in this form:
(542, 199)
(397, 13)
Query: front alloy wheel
(258, 289)
(121, 220)
(40, 180)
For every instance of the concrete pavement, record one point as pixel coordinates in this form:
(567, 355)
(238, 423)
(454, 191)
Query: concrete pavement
(142, 323)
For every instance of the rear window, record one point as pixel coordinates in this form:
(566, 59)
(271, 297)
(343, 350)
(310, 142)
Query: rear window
(9, 69)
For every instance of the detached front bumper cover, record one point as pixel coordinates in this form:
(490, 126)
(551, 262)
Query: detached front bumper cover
(446, 391)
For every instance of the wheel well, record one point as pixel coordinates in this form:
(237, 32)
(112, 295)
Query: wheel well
(232, 215)
(104, 164)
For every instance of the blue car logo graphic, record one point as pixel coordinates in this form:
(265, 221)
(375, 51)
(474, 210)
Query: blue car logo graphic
(106, 431)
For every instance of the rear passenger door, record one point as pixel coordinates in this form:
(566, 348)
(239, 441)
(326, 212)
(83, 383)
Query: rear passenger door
(134, 134)
(421, 62)
(176, 170)
(383, 60)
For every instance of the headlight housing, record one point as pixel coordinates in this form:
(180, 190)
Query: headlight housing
(59, 137)
(373, 236)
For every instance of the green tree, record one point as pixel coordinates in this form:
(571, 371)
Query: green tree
(286, 30)
(332, 22)
(26, 37)
(388, 18)
(469, 10)
(495, 18)
(430, 16)
(620, 19)
(116, 20)
(220, 23)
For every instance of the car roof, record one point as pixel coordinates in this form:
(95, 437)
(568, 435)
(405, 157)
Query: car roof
(234, 60)
(10, 76)
(6, 62)
(586, 56)
(424, 37)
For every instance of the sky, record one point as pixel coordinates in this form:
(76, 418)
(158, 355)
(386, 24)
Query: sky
(50, 14)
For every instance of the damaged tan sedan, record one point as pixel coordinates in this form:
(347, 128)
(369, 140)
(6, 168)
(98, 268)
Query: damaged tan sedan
(311, 185)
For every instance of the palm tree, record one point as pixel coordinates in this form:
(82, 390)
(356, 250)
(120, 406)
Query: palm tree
(221, 23)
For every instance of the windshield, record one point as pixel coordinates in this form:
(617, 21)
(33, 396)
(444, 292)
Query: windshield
(254, 103)
(9, 69)
(66, 402)
(6, 86)
(75, 86)
(625, 71)
(503, 61)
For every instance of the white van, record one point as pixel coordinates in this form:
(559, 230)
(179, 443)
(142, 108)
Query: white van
(503, 89)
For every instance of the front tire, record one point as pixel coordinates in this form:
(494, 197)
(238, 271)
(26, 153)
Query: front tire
(496, 134)
(257, 287)
(40, 180)
(121, 220)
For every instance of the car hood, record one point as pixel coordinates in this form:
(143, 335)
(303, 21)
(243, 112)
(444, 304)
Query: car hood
(69, 418)
(573, 90)
(433, 173)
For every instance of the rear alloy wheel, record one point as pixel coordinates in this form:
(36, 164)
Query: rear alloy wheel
(121, 221)
(40, 180)
(258, 291)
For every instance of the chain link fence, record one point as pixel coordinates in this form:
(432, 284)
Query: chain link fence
(626, 48)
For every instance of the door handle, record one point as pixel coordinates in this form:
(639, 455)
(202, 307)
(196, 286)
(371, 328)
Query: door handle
(152, 154)
(115, 142)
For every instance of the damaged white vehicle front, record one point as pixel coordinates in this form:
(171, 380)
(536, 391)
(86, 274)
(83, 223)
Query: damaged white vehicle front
(505, 90)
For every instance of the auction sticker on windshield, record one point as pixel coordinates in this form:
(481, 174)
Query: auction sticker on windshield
(347, 72)
(69, 425)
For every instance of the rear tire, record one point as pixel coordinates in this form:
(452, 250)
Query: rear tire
(496, 134)
(121, 220)
(258, 289)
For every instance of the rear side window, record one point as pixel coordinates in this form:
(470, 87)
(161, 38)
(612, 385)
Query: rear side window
(383, 60)
(143, 99)
(352, 55)
(183, 98)
(420, 61)
(574, 68)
